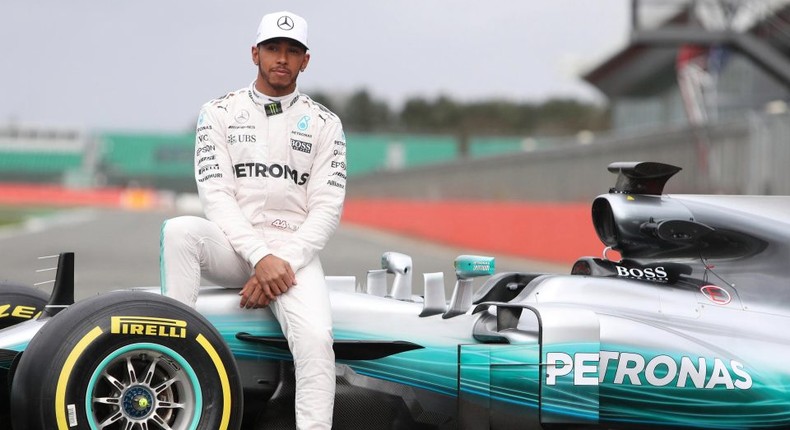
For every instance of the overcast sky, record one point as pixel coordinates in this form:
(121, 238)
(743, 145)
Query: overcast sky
(148, 65)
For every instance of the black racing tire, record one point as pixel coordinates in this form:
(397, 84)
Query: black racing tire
(127, 360)
(19, 303)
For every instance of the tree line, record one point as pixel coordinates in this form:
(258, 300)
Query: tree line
(362, 112)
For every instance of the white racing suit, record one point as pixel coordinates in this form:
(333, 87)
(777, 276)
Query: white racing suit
(271, 179)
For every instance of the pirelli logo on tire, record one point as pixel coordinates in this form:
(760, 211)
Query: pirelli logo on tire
(148, 326)
(18, 311)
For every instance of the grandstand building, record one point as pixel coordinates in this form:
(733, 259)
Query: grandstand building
(44, 154)
(698, 62)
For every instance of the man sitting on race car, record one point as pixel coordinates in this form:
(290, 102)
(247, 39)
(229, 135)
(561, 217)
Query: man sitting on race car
(270, 172)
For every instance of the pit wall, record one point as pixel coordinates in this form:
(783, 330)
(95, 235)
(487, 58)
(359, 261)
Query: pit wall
(551, 232)
(56, 196)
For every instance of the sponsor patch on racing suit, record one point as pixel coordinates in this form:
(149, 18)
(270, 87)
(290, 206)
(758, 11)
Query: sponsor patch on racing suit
(266, 172)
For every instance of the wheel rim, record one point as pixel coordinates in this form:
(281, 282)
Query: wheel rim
(144, 386)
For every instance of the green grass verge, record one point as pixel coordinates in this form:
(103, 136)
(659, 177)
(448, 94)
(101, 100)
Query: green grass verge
(14, 215)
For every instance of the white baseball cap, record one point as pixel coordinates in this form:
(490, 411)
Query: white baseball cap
(282, 24)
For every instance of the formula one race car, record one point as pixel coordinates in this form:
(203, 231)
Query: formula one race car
(688, 329)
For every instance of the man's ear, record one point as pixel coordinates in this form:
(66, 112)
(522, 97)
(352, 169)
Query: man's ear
(255, 58)
(305, 61)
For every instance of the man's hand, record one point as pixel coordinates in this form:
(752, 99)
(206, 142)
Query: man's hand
(252, 296)
(274, 275)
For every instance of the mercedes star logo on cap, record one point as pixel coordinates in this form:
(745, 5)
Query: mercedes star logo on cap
(285, 23)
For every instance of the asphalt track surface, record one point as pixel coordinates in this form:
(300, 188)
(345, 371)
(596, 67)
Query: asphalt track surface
(117, 249)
